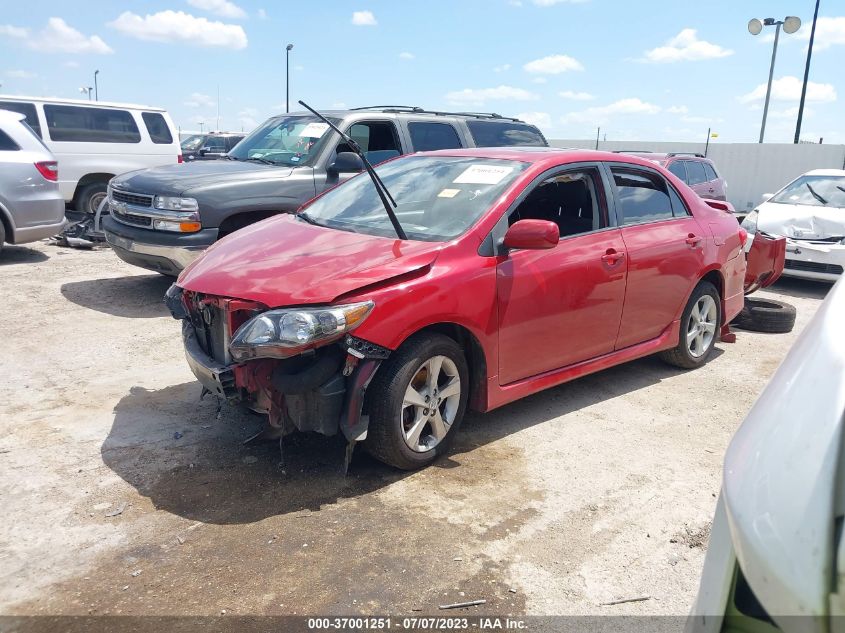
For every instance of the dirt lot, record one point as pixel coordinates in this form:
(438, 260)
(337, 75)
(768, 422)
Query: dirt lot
(595, 490)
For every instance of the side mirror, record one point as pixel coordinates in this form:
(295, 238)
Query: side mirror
(346, 162)
(532, 235)
(765, 197)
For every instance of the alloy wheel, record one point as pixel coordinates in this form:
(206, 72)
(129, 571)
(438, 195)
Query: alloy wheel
(701, 327)
(430, 404)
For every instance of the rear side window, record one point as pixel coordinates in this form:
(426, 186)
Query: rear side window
(157, 127)
(643, 197)
(90, 125)
(504, 133)
(427, 137)
(678, 169)
(26, 109)
(695, 171)
(6, 143)
(215, 144)
(710, 172)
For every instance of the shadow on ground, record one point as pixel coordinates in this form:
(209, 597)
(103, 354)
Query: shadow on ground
(21, 255)
(136, 296)
(173, 449)
(802, 288)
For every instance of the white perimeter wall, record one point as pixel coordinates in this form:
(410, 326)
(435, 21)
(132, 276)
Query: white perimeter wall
(751, 169)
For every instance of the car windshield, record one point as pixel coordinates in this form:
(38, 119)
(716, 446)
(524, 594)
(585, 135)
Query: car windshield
(437, 197)
(815, 191)
(193, 142)
(288, 140)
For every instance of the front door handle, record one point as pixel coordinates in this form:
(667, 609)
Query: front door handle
(693, 240)
(612, 257)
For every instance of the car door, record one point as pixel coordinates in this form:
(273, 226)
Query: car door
(665, 252)
(560, 306)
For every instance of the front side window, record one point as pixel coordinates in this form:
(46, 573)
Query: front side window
(82, 124)
(26, 109)
(285, 140)
(157, 127)
(643, 197)
(426, 137)
(815, 191)
(695, 172)
(215, 144)
(504, 133)
(573, 200)
(377, 139)
(438, 197)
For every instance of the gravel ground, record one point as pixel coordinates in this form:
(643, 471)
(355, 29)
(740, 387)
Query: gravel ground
(596, 490)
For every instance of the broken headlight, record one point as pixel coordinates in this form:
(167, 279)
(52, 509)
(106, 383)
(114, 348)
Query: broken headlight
(288, 332)
(750, 222)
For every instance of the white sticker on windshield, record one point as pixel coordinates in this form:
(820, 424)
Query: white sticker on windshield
(483, 175)
(448, 193)
(314, 130)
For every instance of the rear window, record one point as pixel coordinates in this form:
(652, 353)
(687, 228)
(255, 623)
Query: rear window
(427, 137)
(678, 169)
(504, 133)
(695, 172)
(6, 143)
(157, 127)
(26, 109)
(90, 125)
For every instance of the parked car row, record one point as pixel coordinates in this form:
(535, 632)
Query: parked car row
(209, 146)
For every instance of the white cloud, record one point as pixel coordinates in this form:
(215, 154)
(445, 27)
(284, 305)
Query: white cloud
(223, 8)
(199, 100)
(788, 88)
(601, 114)
(576, 96)
(59, 37)
(20, 74)
(262, 14)
(541, 119)
(178, 26)
(685, 46)
(406, 55)
(829, 32)
(502, 68)
(677, 109)
(789, 113)
(515, 3)
(553, 65)
(479, 96)
(363, 18)
(539, 80)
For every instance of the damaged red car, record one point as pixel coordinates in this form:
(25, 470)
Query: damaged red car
(498, 273)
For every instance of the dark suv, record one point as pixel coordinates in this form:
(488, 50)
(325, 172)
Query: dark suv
(209, 146)
(163, 218)
(694, 169)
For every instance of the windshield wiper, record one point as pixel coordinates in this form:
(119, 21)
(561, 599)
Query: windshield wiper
(228, 157)
(382, 191)
(840, 188)
(258, 159)
(815, 195)
(303, 215)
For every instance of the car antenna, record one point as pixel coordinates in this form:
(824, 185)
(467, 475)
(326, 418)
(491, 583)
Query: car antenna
(386, 199)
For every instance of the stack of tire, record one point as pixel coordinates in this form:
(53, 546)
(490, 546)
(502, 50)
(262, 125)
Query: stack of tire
(766, 315)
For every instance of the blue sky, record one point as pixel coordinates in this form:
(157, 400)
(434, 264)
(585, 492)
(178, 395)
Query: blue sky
(646, 70)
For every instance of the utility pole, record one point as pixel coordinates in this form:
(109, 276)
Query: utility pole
(288, 49)
(806, 74)
(96, 89)
(598, 133)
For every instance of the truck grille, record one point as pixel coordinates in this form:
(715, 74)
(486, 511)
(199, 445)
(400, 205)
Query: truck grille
(131, 218)
(136, 199)
(813, 267)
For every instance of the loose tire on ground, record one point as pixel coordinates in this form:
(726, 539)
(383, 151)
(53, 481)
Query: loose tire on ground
(89, 197)
(699, 331)
(392, 417)
(766, 315)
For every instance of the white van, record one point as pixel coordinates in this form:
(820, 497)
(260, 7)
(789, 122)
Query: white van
(95, 141)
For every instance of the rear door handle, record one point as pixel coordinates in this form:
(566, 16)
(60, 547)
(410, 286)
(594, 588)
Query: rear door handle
(693, 240)
(612, 257)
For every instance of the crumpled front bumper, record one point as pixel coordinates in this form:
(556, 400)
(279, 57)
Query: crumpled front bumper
(217, 378)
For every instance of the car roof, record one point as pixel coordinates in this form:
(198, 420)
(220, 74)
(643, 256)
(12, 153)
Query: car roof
(662, 156)
(551, 155)
(83, 102)
(825, 172)
(407, 112)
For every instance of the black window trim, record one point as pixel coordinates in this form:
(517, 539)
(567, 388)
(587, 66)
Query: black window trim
(609, 166)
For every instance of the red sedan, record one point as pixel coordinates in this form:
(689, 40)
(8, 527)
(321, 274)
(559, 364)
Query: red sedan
(521, 269)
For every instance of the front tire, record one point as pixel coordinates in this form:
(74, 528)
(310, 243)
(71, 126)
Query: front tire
(700, 325)
(417, 401)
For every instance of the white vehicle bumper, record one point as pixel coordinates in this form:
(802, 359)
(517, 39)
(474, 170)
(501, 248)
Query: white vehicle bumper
(824, 262)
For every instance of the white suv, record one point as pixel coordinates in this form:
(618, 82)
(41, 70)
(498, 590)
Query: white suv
(95, 141)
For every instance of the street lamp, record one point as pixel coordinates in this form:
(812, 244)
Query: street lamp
(288, 49)
(87, 91)
(96, 90)
(790, 25)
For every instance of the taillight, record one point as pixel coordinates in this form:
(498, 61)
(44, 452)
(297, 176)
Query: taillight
(179, 159)
(743, 236)
(49, 169)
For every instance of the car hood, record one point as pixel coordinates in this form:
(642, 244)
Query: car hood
(801, 221)
(176, 180)
(283, 261)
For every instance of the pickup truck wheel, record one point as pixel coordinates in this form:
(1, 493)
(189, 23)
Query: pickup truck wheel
(417, 401)
(766, 315)
(89, 198)
(699, 328)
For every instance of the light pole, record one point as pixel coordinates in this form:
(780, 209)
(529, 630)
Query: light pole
(790, 25)
(96, 89)
(87, 91)
(806, 73)
(288, 49)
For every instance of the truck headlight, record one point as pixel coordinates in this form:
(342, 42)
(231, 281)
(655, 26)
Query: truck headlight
(288, 332)
(170, 203)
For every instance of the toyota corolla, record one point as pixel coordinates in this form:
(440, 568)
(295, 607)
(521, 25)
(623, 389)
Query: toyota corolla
(455, 280)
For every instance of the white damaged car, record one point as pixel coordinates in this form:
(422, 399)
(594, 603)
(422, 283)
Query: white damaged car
(810, 213)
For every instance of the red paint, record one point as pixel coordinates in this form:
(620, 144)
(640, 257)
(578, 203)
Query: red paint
(541, 317)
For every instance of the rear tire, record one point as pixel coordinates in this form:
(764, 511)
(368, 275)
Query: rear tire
(700, 324)
(417, 401)
(766, 315)
(89, 197)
